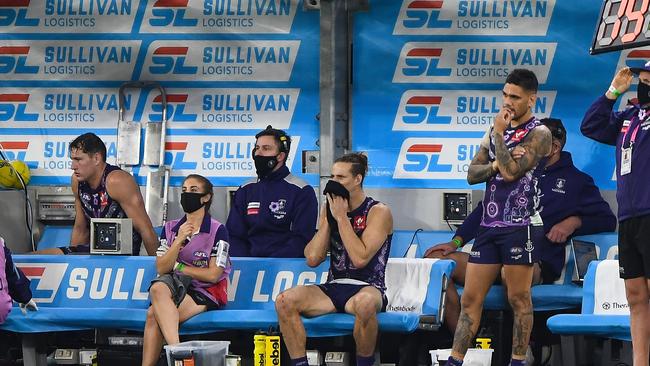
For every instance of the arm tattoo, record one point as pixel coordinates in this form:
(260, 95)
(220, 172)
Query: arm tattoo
(537, 145)
(464, 334)
(480, 169)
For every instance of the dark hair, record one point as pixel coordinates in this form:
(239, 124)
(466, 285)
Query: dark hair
(523, 78)
(557, 129)
(359, 163)
(90, 144)
(281, 138)
(207, 187)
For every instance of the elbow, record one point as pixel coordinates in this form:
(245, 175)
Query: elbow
(313, 260)
(360, 263)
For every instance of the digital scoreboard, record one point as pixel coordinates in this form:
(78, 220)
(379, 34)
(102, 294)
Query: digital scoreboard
(622, 24)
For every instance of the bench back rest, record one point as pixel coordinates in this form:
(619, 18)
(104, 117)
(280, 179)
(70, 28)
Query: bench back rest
(84, 281)
(604, 290)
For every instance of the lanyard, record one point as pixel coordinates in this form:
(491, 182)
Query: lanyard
(633, 137)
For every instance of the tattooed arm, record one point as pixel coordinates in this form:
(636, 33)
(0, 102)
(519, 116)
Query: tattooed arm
(537, 145)
(481, 169)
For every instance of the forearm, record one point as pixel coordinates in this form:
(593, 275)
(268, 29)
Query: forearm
(150, 240)
(165, 263)
(508, 167)
(316, 249)
(596, 224)
(356, 248)
(479, 173)
(80, 235)
(210, 274)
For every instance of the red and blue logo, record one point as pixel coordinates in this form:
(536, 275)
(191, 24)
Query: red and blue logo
(171, 13)
(637, 58)
(175, 155)
(425, 14)
(424, 109)
(17, 150)
(424, 158)
(14, 106)
(176, 104)
(45, 279)
(424, 62)
(167, 60)
(14, 13)
(14, 59)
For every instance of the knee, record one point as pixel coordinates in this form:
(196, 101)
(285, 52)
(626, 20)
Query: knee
(151, 317)
(636, 297)
(365, 307)
(158, 290)
(471, 302)
(285, 303)
(520, 301)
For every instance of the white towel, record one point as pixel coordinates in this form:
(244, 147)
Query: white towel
(407, 281)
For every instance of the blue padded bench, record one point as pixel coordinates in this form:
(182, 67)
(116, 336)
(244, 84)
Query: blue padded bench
(78, 292)
(561, 295)
(615, 326)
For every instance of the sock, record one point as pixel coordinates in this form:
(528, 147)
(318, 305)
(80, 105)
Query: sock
(514, 362)
(365, 361)
(302, 361)
(453, 361)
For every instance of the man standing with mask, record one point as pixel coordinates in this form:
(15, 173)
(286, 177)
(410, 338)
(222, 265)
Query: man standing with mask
(628, 131)
(275, 214)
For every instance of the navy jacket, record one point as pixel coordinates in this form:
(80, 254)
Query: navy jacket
(272, 217)
(18, 283)
(566, 191)
(602, 124)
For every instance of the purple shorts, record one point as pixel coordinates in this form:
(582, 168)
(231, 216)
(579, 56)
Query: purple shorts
(340, 293)
(507, 245)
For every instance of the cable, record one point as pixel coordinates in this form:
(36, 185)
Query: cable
(448, 224)
(415, 235)
(29, 218)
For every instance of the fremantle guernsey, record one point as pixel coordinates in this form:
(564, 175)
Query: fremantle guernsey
(341, 268)
(514, 203)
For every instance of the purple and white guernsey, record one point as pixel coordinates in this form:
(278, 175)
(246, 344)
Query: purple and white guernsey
(341, 268)
(516, 203)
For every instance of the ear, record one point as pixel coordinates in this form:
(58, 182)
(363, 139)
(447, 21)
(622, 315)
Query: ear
(97, 157)
(358, 179)
(282, 157)
(531, 100)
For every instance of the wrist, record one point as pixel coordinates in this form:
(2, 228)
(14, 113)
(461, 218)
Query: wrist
(178, 266)
(457, 242)
(615, 92)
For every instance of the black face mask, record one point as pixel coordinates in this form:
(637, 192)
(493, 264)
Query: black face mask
(643, 93)
(265, 164)
(191, 201)
(335, 189)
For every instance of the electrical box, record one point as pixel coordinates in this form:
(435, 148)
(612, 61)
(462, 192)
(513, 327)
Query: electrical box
(111, 236)
(66, 356)
(314, 358)
(337, 359)
(310, 161)
(55, 204)
(456, 206)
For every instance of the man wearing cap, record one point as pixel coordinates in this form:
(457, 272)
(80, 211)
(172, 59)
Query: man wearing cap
(275, 214)
(628, 131)
(570, 204)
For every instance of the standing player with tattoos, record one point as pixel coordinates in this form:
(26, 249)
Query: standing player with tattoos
(511, 228)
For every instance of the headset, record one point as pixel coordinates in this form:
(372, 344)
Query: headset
(285, 140)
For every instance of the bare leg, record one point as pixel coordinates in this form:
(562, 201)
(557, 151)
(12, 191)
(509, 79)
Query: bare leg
(365, 305)
(153, 340)
(290, 304)
(478, 280)
(47, 251)
(518, 280)
(636, 291)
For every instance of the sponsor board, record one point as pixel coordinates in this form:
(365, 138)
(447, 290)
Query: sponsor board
(224, 108)
(482, 17)
(471, 62)
(214, 156)
(457, 110)
(66, 16)
(635, 57)
(68, 60)
(47, 155)
(219, 16)
(242, 60)
(435, 158)
(61, 107)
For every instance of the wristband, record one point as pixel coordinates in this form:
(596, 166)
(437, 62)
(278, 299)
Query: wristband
(179, 266)
(614, 91)
(457, 242)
